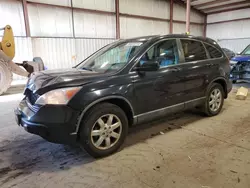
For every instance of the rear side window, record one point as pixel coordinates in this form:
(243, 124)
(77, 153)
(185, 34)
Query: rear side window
(193, 50)
(214, 53)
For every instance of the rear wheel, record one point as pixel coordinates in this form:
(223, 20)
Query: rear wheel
(103, 130)
(214, 100)
(5, 77)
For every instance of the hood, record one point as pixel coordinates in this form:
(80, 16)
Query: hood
(241, 58)
(41, 82)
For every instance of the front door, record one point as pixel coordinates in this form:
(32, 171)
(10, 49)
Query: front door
(156, 92)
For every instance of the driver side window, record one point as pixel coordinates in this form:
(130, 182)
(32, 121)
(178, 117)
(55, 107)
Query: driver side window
(166, 53)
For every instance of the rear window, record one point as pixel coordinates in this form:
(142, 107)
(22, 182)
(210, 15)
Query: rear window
(213, 52)
(193, 50)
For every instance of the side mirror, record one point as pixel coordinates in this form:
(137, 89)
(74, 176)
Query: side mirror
(148, 66)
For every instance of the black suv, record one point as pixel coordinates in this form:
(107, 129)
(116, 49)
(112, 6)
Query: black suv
(125, 83)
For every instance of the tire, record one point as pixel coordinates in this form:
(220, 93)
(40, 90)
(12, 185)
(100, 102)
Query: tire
(90, 126)
(208, 107)
(5, 77)
(234, 81)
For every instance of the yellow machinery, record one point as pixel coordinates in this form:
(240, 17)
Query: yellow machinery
(7, 46)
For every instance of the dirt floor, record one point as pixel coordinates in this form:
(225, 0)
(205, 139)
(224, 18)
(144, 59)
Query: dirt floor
(185, 150)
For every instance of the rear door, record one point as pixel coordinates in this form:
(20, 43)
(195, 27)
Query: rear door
(218, 62)
(195, 69)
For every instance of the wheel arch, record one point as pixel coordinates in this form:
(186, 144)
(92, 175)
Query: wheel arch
(222, 81)
(120, 101)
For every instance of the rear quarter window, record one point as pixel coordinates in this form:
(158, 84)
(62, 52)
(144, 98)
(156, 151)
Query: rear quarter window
(213, 52)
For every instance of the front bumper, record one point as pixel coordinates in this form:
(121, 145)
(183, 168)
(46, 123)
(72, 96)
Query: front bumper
(54, 123)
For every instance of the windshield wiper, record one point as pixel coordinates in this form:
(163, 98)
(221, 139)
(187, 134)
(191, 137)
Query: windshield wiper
(87, 68)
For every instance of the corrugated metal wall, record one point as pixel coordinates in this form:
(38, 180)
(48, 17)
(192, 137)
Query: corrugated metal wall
(229, 30)
(237, 14)
(56, 52)
(154, 8)
(237, 45)
(233, 35)
(54, 2)
(180, 28)
(50, 21)
(132, 27)
(197, 30)
(94, 25)
(107, 5)
(12, 14)
(180, 14)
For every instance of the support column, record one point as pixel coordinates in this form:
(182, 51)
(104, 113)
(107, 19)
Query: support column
(26, 18)
(171, 16)
(205, 26)
(117, 19)
(73, 21)
(188, 16)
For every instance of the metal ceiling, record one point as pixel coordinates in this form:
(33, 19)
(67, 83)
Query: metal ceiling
(218, 6)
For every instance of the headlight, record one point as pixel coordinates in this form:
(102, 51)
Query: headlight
(58, 96)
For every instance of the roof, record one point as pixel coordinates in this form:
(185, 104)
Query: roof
(157, 37)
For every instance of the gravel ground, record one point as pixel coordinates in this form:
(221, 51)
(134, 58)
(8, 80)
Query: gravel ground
(183, 150)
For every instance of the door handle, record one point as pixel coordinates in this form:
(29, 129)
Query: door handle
(211, 65)
(175, 69)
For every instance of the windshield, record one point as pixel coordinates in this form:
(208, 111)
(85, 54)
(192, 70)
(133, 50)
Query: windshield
(111, 58)
(246, 51)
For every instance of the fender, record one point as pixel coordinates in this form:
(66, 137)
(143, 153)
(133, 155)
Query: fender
(96, 102)
(216, 79)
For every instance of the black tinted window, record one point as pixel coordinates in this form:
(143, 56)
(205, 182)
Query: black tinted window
(193, 50)
(214, 53)
(166, 53)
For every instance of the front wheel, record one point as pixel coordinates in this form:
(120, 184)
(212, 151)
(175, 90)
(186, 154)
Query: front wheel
(103, 130)
(214, 100)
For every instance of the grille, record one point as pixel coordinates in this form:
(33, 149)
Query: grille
(31, 99)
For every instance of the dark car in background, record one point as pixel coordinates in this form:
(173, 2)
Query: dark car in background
(125, 83)
(230, 54)
(240, 66)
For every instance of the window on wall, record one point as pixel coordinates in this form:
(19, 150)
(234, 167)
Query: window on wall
(213, 52)
(193, 50)
(166, 53)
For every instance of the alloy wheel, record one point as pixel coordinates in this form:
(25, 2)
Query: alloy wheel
(106, 131)
(215, 100)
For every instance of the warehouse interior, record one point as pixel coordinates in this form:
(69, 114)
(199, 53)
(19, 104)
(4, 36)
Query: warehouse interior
(184, 149)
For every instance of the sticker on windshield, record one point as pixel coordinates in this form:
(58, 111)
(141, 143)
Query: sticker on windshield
(134, 44)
